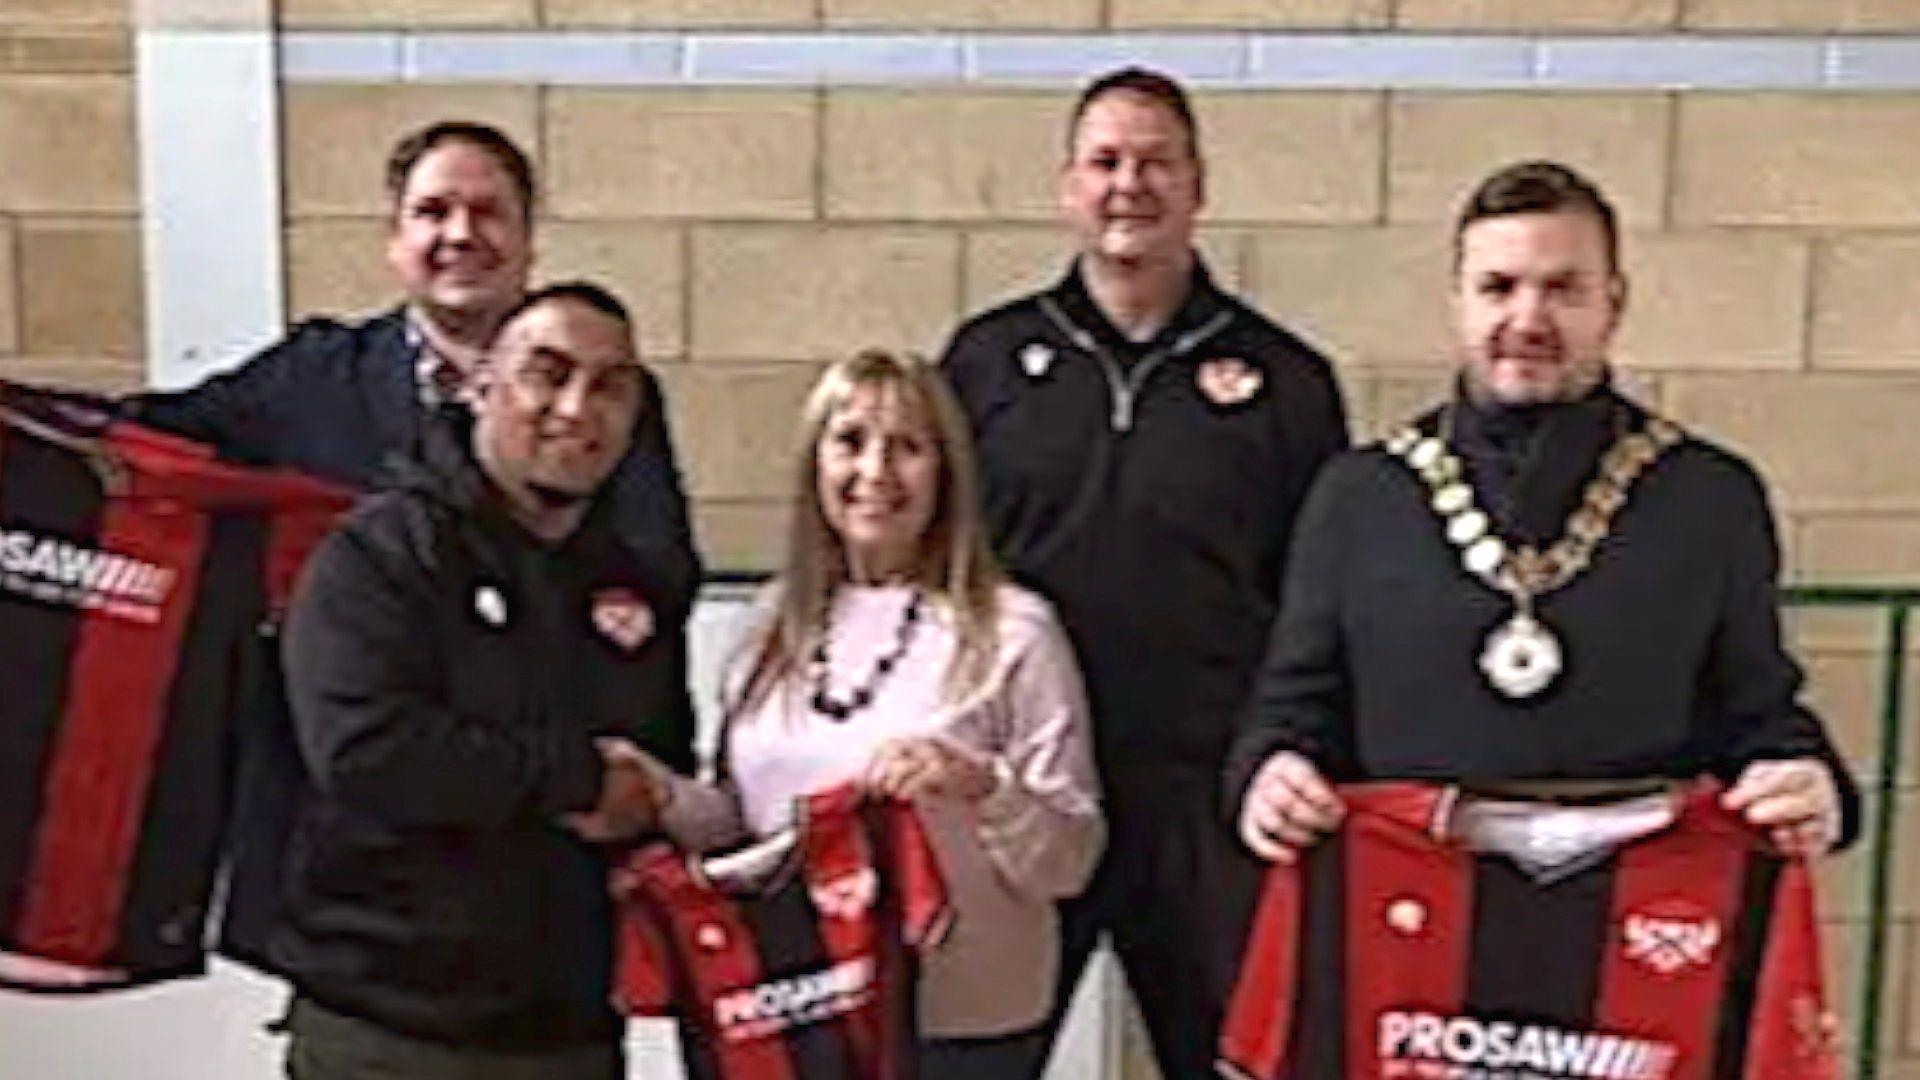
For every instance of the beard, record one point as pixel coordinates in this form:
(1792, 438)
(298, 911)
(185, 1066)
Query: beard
(556, 498)
(1570, 384)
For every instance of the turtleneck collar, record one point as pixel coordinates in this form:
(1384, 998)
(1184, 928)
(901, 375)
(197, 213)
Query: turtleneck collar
(1529, 464)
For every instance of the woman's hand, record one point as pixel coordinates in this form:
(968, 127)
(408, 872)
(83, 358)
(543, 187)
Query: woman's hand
(923, 767)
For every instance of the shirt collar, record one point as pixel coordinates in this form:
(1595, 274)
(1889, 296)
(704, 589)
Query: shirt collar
(437, 380)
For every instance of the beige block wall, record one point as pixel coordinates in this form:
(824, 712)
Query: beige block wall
(1774, 242)
(1296, 158)
(996, 14)
(71, 142)
(1442, 143)
(814, 292)
(475, 14)
(682, 153)
(725, 14)
(334, 163)
(1585, 15)
(1865, 314)
(941, 156)
(1539, 14)
(1802, 14)
(645, 261)
(1319, 14)
(70, 297)
(1787, 159)
(761, 232)
(336, 266)
(80, 292)
(83, 14)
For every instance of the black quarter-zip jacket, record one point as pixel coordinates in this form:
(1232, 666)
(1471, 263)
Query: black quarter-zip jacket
(340, 401)
(447, 674)
(1155, 517)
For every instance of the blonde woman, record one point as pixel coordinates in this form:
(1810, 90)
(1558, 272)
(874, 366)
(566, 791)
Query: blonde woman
(890, 650)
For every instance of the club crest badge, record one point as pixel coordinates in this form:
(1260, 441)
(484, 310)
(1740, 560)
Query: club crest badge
(848, 896)
(1668, 939)
(711, 937)
(1228, 380)
(1036, 358)
(490, 604)
(622, 617)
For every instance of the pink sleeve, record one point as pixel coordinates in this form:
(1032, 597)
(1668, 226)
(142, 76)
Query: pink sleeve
(1042, 826)
(700, 815)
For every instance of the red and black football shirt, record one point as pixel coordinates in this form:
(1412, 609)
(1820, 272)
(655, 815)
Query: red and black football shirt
(134, 571)
(811, 977)
(1389, 952)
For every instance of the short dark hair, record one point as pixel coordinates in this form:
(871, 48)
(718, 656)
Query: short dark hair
(600, 299)
(1156, 87)
(583, 292)
(1539, 187)
(486, 138)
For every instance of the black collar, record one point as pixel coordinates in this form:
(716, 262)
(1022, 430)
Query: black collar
(1204, 303)
(443, 468)
(1530, 466)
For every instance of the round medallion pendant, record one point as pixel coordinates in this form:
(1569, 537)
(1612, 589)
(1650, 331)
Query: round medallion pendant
(1522, 657)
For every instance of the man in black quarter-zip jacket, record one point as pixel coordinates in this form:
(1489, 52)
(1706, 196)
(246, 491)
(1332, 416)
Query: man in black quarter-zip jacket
(482, 700)
(1146, 440)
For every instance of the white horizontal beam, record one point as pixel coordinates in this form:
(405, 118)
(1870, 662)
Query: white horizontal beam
(1307, 60)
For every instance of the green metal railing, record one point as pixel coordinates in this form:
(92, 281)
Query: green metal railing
(1896, 605)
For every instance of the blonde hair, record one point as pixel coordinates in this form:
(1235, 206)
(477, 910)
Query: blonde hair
(954, 564)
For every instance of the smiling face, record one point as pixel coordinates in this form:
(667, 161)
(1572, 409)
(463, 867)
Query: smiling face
(877, 472)
(460, 238)
(1132, 185)
(1535, 304)
(557, 402)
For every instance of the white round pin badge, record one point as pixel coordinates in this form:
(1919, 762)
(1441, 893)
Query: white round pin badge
(491, 605)
(1036, 358)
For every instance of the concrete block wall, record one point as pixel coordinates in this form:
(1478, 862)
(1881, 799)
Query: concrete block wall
(773, 214)
(1606, 15)
(70, 303)
(1774, 240)
(1774, 246)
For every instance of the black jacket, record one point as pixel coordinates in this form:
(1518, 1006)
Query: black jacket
(1154, 518)
(340, 401)
(1674, 663)
(446, 677)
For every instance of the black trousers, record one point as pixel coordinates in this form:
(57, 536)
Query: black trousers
(1175, 892)
(1009, 1056)
(326, 1045)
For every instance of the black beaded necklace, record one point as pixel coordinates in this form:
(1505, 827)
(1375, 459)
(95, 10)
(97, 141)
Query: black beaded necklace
(838, 709)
